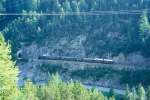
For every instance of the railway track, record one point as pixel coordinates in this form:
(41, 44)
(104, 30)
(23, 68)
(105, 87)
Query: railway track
(88, 60)
(85, 60)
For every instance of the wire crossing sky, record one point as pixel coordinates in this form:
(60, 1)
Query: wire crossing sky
(91, 13)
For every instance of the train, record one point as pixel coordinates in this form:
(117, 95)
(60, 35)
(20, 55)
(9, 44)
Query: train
(75, 59)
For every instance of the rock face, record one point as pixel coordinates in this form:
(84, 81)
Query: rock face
(68, 48)
(62, 47)
(133, 58)
(93, 35)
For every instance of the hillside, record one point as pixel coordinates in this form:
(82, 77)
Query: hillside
(121, 31)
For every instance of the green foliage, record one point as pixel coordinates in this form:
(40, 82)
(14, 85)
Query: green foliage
(144, 27)
(56, 89)
(95, 73)
(8, 72)
(102, 33)
(2, 8)
(51, 68)
(136, 93)
(29, 91)
(132, 78)
(111, 98)
(141, 92)
(111, 93)
(135, 77)
(148, 93)
(123, 31)
(16, 29)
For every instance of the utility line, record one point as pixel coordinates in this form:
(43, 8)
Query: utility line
(72, 13)
(119, 12)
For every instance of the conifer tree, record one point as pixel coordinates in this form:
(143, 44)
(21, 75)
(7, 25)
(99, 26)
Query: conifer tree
(29, 91)
(75, 8)
(8, 72)
(141, 93)
(2, 8)
(67, 6)
(148, 93)
(97, 95)
(128, 94)
(144, 27)
(134, 94)
(112, 98)
(111, 92)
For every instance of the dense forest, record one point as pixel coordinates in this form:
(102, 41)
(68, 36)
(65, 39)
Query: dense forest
(55, 89)
(74, 28)
(129, 32)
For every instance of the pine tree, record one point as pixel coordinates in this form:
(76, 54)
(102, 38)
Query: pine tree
(111, 93)
(8, 72)
(75, 7)
(134, 94)
(56, 6)
(112, 98)
(144, 27)
(65, 91)
(30, 5)
(141, 93)
(67, 6)
(97, 95)
(29, 91)
(128, 94)
(2, 8)
(83, 6)
(148, 93)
